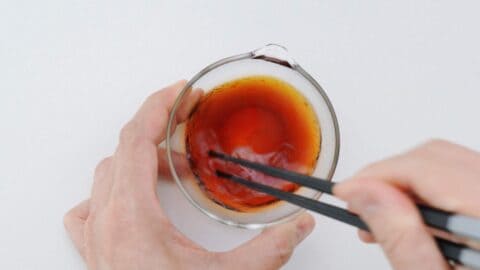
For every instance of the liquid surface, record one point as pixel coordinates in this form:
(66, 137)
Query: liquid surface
(260, 118)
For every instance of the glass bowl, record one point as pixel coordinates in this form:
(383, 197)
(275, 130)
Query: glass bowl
(271, 60)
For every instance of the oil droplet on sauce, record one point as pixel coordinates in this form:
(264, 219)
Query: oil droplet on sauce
(258, 118)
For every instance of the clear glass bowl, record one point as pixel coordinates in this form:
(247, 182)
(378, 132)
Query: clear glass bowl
(271, 60)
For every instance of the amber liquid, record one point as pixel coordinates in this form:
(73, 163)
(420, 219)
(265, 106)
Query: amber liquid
(259, 118)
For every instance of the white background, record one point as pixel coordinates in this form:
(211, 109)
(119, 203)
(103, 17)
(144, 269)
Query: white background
(72, 72)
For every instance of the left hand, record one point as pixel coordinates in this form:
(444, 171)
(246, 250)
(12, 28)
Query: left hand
(122, 225)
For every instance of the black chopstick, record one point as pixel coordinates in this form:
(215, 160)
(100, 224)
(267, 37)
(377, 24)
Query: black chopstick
(314, 205)
(458, 224)
(298, 178)
(451, 251)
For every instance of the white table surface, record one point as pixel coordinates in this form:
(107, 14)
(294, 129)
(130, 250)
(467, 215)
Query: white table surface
(72, 72)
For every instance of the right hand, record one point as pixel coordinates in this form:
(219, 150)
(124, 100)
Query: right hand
(441, 174)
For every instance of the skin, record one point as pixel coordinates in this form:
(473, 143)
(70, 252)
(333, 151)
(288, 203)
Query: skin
(122, 225)
(441, 174)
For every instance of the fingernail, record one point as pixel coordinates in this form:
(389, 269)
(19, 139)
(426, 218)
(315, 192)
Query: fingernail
(304, 226)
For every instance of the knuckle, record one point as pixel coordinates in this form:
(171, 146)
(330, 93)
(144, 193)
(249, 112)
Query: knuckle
(102, 167)
(129, 134)
(371, 168)
(432, 147)
(67, 220)
(283, 256)
(438, 142)
(155, 96)
(158, 98)
(283, 250)
(381, 167)
(435, 144)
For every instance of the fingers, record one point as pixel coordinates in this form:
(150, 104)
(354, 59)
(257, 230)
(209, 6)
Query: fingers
(440, 173)
(150, 122)
(103, 177)
(74, 222)
(275, 244)
(135, 163)
(366, 237)
(435, 173)
(188, 104)
(456, 239)
(102, 182)
(394, 220)
(182, 167)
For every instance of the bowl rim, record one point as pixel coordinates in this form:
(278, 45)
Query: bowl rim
(250, 55)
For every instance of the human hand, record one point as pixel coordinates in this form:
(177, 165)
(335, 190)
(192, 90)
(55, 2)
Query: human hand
(122, 225)
(440, 174)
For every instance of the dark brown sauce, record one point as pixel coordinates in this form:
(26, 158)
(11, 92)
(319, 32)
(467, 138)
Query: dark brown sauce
(257, 118)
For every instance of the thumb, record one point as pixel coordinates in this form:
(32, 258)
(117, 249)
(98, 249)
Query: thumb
(74, 222)
(274, 246)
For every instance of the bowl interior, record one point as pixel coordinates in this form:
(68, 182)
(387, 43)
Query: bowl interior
(234, 68)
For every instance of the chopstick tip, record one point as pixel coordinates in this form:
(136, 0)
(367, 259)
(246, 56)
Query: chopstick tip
(222, 174)
(213, 153)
